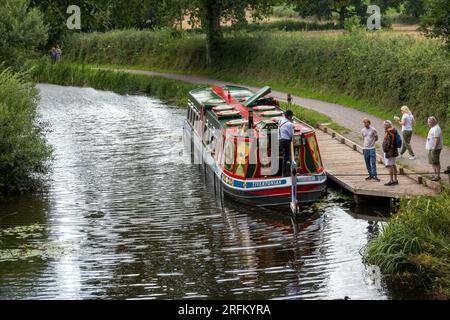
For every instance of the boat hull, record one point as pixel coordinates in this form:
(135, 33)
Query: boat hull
(258, 192)
(279, 196)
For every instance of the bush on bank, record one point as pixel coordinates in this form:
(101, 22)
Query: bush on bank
(380, 67)
(24, 153)
(414, 248)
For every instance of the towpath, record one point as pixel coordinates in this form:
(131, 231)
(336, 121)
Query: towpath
(345, 116)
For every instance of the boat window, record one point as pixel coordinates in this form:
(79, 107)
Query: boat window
(297, 158)
(190, 114)
(242, 154)
(229, 155)
(314, 148)
(264, 156)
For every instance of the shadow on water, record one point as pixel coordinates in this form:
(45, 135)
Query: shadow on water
(24, 244)
(132, 218)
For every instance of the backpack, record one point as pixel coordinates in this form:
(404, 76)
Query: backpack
(397, 139)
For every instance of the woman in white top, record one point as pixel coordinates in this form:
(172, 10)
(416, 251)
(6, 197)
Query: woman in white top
(407, 122)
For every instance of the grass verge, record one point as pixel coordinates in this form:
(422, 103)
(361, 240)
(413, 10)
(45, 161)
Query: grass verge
(69, 74)
(173, 91)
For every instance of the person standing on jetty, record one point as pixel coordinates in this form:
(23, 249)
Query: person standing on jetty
(407, 121)
(390, 152)
(434, 147)
(370, 136)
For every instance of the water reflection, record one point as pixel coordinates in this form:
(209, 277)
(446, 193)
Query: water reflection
(137, 222)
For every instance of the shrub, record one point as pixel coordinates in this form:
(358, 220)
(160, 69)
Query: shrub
(23, 149)
(415, 246)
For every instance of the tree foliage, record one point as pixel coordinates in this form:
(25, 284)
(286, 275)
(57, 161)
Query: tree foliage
(324, 9)
(22, 31)
(23, 149)
(436, 21)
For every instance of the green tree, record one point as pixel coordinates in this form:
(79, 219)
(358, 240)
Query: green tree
(415, 8)
(95, 15)
(324, 9)
(212, 12)
(22, 31)
(436, 21)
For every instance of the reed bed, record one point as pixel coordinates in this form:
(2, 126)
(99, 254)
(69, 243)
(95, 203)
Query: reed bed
(414, 248)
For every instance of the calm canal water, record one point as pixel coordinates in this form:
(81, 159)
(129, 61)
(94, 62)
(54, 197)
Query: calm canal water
(126, 216)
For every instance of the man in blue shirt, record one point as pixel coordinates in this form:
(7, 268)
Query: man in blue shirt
(285, 135)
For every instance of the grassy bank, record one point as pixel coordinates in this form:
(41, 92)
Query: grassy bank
(24, 153)
(68, 74)
(414, 248)
(363, 105)
(374, 72)
(173, 91)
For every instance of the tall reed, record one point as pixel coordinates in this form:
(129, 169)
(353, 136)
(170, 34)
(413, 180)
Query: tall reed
(415, 246)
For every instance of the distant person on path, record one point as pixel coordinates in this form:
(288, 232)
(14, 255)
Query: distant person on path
(370, 136)
(58, 54)
(289, 99)
(434, 147)
(407, 121)
(53, 54)
(390, 152)
(286, 134)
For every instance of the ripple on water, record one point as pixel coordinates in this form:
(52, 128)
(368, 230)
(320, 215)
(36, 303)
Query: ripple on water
(147, 224)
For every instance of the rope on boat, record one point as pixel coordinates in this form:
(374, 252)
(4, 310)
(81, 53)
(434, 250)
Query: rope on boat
(385, 174)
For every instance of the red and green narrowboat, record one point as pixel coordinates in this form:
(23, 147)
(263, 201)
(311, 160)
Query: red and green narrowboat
(235, 133)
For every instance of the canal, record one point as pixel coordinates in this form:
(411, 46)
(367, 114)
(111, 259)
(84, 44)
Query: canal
(126, 216)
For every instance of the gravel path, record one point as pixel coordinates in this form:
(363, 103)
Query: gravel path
(345, 116)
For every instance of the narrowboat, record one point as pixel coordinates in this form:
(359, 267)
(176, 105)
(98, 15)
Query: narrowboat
(234, 132)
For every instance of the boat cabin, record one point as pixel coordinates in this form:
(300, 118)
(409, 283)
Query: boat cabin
(239, 126)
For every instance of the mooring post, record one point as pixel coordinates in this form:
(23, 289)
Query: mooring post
(448, 174)
(395, 203)
(294, 202)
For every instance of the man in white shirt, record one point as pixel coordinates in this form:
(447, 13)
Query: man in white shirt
(370, 136)
(285, 135)
(434, 147)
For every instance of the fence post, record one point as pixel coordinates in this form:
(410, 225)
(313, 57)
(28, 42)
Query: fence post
(448, 174)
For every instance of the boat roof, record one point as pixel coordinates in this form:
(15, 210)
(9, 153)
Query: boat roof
(228, 107)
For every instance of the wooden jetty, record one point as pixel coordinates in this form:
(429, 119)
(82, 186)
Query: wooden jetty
(345, 165)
